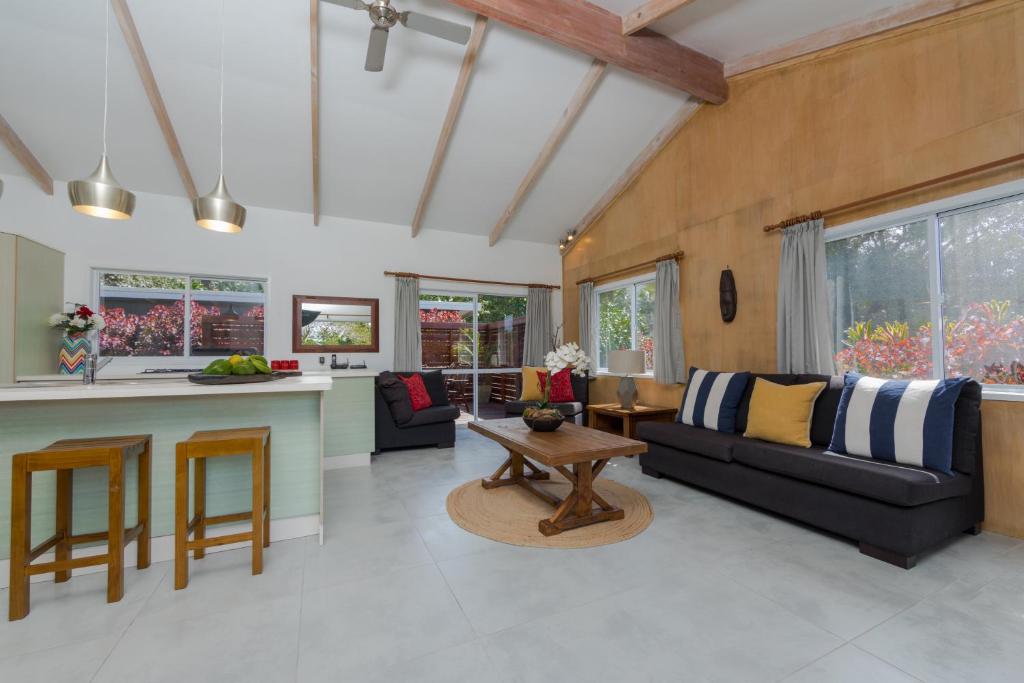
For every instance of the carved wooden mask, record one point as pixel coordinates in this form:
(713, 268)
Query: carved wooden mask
(727, 296)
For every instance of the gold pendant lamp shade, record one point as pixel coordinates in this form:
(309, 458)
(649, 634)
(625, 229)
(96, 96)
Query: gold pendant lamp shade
(217, 211)
(100, 195)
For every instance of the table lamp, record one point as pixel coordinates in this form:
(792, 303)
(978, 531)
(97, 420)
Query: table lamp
(627, 363)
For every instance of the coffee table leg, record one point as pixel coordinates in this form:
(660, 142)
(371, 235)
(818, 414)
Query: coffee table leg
(577, 508)
(515, 465)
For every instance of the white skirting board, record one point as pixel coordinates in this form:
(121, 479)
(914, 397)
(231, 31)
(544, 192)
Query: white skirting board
(162, 549)
(337, 462)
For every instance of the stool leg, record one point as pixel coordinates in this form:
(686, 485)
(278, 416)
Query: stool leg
(199, 504)
(21, 538)
(257, 507)
(64, 498)
(266, 493)
(181, 517)
(144, 541)
(115, 527)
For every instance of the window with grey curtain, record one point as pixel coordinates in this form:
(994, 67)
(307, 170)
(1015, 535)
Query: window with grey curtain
(669, 365)
(538, 326)
(408, 355)
(588, 318)
(804, 337)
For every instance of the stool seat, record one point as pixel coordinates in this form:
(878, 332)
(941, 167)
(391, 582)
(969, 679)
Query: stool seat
(63, 457)
(252, 441)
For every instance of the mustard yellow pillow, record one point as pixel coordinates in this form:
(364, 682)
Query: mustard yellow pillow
(782, 414)
(531, 385)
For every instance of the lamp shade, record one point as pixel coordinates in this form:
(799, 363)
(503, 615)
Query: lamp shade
(218, 211)
(626, 362)
(99, 195)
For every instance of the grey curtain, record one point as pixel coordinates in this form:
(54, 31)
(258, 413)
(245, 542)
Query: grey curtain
(408, 354)
(588, 317)
(804, 337)
(538, 326)
(669, 365)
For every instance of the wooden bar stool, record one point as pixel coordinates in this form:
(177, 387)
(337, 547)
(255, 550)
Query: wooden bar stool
(64, 457)
(255, 442)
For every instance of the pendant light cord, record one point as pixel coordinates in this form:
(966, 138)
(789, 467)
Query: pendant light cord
(222, 23)
(106, 70)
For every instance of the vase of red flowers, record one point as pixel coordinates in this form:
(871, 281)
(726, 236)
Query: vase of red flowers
(77, 324)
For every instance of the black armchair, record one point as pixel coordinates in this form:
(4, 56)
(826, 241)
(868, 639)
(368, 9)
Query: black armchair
(433, 426)
(580, 391)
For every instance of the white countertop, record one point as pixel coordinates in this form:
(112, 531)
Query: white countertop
(110, 374)
(114, 387)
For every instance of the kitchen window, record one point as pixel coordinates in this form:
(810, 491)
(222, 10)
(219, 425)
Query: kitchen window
(172, 315)
(938, 295)
(625, 319)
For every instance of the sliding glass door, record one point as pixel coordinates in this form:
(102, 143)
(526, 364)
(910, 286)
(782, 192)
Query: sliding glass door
(476, 340)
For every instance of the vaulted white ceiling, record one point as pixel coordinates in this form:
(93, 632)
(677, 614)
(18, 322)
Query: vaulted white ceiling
(378, 129)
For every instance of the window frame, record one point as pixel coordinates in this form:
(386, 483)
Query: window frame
(97, 276)
(931, 213)
(631, 283)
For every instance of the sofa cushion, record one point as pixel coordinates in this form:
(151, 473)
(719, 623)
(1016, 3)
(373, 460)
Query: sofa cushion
(436, 387)
(782, 414)
(825, 408)
(710, 444)
(712, 399)
(902, 485)
(904, 421)
(396, 396)
(743, 410)
(432, 415)
(418, 395)
(967, 430)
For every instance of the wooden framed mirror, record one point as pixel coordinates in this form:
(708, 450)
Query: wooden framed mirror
(334, 324)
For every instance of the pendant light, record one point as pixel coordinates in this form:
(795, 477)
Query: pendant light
(100, 195)
(217, 210)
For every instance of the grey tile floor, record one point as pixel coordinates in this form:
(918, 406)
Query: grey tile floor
(713, 591)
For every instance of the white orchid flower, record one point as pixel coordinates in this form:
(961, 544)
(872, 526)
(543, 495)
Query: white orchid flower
(57, 319)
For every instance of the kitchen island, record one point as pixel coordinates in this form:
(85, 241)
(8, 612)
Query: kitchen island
(35, 414)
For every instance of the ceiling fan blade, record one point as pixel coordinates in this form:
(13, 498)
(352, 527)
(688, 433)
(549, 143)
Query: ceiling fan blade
(376, 49)
(457, 33)
(351, 4)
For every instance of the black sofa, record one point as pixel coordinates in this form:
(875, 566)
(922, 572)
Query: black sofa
(580, 391)
(433, 426)
(893, 513)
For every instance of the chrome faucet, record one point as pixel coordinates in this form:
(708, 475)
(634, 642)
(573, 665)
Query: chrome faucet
(93, 365)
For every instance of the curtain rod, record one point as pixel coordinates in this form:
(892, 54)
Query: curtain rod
(1005, 161)
(674, 256)
(474, 281)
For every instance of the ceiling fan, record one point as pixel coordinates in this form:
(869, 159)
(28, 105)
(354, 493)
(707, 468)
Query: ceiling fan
(384, 17)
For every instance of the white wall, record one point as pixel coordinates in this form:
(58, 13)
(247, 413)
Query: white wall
(340, 257)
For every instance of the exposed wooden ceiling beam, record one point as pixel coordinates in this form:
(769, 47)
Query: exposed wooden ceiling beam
(569, 116)
(156, 100)
(454, 107)
(25, 156)
(658, 143)
(314, 96)
(648, 13)
(582, 26)
(883, 20)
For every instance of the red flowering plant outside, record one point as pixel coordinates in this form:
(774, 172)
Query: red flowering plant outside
(986, 343)
(160, 331)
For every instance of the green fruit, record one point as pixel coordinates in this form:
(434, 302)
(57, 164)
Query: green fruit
(218, 367)
(262, 359)
(260, 365)
(243, 368)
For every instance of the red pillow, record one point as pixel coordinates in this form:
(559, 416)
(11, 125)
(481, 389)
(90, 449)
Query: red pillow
(417, 392)
(561, 386)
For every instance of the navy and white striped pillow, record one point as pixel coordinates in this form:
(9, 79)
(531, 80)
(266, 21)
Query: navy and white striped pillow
(904, 421)
(712, 399)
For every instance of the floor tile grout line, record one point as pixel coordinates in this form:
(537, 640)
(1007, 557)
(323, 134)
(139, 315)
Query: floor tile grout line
(302, 600)
(885, 661)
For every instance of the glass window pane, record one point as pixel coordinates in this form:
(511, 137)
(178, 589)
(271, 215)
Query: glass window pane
(227, 317)
(145, 315)
(446, 330)
(645, 322)
(502, 330)
(614, 326)
(880, 304)
(983, 285)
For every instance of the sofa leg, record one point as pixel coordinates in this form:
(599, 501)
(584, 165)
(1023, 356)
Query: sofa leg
(974, 530)
(650, 472)
(901, 561)
(446, 445)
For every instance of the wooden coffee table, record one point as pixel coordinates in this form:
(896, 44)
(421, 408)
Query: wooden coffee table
(586, 450)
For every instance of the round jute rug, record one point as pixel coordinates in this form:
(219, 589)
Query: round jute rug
(510, 514)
